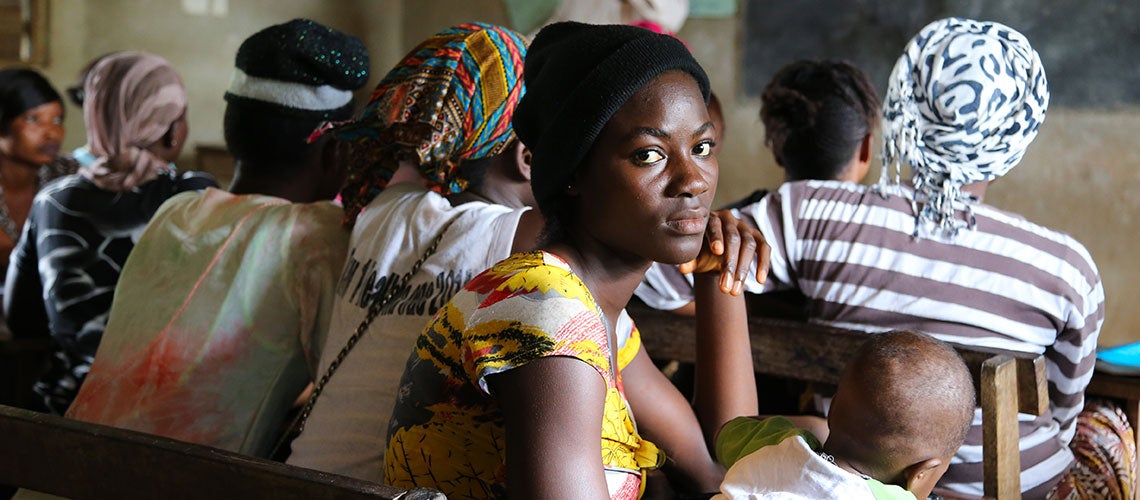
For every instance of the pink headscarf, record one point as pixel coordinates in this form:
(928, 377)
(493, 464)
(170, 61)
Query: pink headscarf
(131, 99)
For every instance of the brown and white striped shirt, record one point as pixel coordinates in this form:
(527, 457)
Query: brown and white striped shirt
(1007, 283)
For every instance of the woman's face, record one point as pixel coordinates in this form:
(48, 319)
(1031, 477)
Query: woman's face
(35, 136)
(647, 183)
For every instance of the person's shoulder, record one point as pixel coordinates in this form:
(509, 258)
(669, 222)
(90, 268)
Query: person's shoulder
(193, 180)
(320, 220)
(170, 182)
(827, 189)
(55, 185)
(1017, 227)
(534, 263)
(60, 167)
(404, 192)
(64, 192)
(795, 191)
(400, 198)
(540, 274)
(187, 200)
(1016, 220)
(817, 199)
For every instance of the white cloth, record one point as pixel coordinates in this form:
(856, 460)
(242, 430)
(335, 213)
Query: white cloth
(665, 287)
(790, 470)
(347, 432)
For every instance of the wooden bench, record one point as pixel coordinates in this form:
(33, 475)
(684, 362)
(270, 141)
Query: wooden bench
(1007, 382)
(74, 459)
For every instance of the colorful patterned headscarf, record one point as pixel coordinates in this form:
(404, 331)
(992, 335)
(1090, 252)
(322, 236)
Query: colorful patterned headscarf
(450, 99)
(963, 103)
(130, 101)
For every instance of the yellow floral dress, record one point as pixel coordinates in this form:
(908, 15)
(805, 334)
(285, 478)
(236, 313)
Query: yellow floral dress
(447, 431)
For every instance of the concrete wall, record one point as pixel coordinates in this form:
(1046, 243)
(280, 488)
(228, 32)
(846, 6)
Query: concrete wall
(1080, 176)
(200, 38)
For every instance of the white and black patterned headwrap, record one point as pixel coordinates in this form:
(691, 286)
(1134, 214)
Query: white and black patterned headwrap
(963, 103)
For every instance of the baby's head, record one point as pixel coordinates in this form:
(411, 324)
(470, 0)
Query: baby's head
(903, 407)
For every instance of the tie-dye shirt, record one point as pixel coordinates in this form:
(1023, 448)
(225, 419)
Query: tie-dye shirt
(528, 307)
(211, 331)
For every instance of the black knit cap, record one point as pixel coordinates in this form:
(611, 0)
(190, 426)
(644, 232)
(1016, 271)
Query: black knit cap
(291, 65)
(577, 76)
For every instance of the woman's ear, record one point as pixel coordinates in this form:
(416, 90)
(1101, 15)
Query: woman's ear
(520, 160)
(168, 137)
(865, 149)
(331, 169)
(167, 147)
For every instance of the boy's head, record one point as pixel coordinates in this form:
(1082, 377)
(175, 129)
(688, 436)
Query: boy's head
(903, 407)
(289, 79)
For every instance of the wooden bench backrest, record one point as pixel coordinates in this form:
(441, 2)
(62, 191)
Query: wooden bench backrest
(1006, 382)
(76, 459)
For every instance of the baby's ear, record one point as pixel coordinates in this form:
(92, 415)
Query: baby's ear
(922, 476)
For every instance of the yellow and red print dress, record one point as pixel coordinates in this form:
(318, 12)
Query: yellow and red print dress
(447, 431)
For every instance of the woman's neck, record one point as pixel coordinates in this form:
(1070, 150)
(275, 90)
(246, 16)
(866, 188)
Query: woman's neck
(295, 190)
(611, 276)
(17, 176)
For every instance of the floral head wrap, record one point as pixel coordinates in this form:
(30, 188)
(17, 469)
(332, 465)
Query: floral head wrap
(450, 99)
(963, 103)
(130, 101)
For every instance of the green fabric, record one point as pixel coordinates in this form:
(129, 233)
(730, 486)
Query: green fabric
(888, 491)
(744, 435)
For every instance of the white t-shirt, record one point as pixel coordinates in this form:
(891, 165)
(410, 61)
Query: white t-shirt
(790, 470)
(347, 432)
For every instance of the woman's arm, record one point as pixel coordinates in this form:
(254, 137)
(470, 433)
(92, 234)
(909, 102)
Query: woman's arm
(24, 292)
(665, 418)
(725, 384)
(552, 409)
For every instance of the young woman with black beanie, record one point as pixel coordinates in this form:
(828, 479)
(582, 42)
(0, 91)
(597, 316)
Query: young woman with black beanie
(505, 389)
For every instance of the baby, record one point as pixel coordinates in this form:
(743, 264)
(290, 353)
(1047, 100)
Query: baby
(902, 409)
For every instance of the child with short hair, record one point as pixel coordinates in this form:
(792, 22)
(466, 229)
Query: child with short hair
(903, 407)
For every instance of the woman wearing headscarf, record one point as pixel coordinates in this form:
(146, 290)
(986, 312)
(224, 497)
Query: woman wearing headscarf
(432, 148)
(517, 384)
(82, 228)
(964, 102)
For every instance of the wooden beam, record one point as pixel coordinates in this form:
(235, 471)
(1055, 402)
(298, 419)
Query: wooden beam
(1001, 457)
(815, 353)
(76, 459)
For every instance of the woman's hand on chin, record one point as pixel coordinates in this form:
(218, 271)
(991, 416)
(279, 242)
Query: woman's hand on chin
(730, 245)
